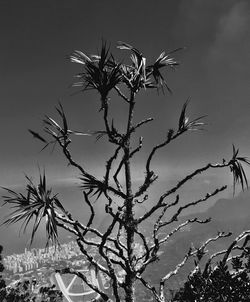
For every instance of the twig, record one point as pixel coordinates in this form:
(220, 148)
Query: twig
(182, 225)
(112, 273)
(121, 94)
(186, 257)
(92, 213)
(109, 164)
(151, 288)
(194, 203)
(136, 149)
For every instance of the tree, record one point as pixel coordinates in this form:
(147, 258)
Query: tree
(116, 246)
(2, 282)
(227, 280)
(25, 291)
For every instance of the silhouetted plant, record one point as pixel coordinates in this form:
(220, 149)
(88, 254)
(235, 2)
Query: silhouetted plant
(26, 291)
(115, 246)
(227, 280)
(50, 294)
(2, 282)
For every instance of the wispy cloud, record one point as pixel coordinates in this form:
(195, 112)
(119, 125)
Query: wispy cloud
(231, 44)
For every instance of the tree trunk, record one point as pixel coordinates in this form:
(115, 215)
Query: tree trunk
(130, 232)
(129, 290)
(129, 214)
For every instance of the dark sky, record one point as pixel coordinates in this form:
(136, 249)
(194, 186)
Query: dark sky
(37, 37)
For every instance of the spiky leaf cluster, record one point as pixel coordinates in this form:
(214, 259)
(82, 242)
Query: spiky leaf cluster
(93, 186)
(32, 208)
(100, 72)
(239, 175)
(59, 131)
(185, 124)
(103, 73)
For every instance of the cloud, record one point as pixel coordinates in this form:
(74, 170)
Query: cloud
(233, 25)
(197, 19)
(207, 181)
(231, 46)
(219, 32)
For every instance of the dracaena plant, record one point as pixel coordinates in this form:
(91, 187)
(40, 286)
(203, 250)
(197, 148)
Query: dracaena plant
(119, 259)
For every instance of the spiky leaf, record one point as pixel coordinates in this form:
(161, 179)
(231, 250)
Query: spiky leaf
(239, 175)
(184, 122)
(93, 186)
(31, 209)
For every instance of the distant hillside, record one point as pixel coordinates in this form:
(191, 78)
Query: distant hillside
(230, 210)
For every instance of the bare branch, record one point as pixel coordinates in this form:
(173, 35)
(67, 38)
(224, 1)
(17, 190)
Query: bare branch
(170, 137)
(143, 122)
(145, 197)
(219, 235)
(161, 203)
(67, 228)
(82, 236)
(215, 255)
(109, 164)
(84, 173)
(149, 287)
(181, 226)
(92, 213)
(227, 251)
(121, 94)
(137, 149)
(105, 106)
(62, 138)
(194, 203)
(153, 249)
(189, 254)
(78, 224)
(174, 272)
(91, 259)
(158, 206)
(123, 247)
(146, 247)
(108, 260)
(119, 187)
(120, 246)
(149, 179)
(165, 207)
(245, 234)
(184, 125)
